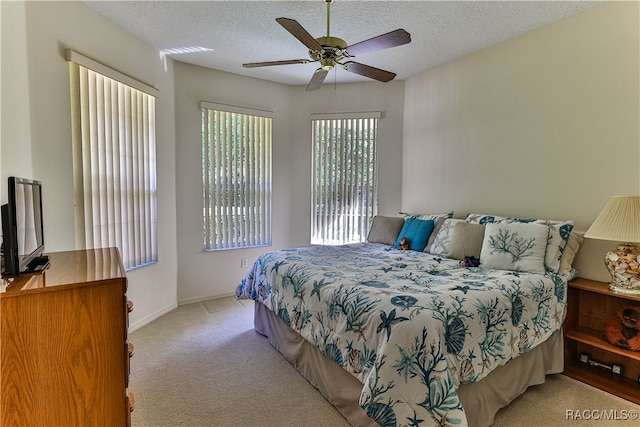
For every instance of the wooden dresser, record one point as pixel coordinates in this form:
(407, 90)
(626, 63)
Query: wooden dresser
(64, 352)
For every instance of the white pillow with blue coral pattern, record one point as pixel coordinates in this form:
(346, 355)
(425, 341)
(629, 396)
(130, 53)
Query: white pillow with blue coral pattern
(559, 232)
(442, 242)
(514, 246)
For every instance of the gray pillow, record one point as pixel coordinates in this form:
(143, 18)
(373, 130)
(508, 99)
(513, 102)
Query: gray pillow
(385, 229)
(570, 251)
(434, 233)
(466, 241)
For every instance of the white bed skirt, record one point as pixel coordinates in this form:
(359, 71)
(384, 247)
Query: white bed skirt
(481, 401)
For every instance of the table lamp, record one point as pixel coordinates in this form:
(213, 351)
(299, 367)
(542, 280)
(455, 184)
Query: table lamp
(620, 221)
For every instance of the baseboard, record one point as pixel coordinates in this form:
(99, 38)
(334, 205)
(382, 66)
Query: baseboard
(153, 316)
(150, 318)
(210, 297)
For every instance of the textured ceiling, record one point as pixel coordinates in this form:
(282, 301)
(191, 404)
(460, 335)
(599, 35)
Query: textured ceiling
(246, 31)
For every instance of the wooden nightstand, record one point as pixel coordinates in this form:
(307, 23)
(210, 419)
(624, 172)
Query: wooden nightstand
(590, 305)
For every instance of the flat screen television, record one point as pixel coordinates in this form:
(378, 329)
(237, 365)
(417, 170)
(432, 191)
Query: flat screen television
(22, 227)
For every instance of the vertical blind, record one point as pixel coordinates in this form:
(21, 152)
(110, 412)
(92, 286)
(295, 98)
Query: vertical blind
(344, 184)
(236, 166)
(114, 166)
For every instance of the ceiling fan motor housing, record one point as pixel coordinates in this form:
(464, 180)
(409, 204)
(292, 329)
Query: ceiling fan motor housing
(332, 52)
(334, 42)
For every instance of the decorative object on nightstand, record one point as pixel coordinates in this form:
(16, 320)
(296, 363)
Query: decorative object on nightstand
(620, 221)
(623, 329)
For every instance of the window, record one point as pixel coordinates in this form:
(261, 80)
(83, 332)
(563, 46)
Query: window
(114, 147)
(236, 172)
(344, 187)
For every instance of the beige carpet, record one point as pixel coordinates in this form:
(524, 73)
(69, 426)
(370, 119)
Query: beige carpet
(203, 365)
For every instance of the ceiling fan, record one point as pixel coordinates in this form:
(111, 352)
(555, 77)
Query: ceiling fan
(331, 51)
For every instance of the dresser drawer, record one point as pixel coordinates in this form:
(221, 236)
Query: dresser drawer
(128, 354)
(128, 308)
(130, 402)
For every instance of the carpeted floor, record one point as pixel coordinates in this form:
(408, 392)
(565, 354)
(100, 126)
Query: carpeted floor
(203, 365)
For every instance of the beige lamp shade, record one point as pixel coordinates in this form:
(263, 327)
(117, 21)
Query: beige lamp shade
(619, 221)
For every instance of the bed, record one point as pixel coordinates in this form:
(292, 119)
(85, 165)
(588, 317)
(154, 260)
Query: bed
(409, 337)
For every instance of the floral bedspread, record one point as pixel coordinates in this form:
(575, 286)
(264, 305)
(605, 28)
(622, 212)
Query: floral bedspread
(409, 325)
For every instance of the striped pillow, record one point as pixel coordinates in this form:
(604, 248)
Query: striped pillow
(385, 229)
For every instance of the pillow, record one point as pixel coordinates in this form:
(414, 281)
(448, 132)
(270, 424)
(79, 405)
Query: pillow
(417, 231)
(434, 233)
(434, 217)
(485, 219)
(385, 229)
(442, 240)
(559, 232)
(466, 241)
(558, 235)
(515, 246)
(569, 254)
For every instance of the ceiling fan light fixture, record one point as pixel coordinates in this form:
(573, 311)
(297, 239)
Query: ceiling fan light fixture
(327, 64)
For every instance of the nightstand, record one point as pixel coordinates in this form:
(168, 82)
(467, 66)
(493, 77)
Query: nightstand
(590, 306)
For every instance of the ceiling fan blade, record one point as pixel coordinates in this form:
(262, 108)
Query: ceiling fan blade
(300, 33)
(369, 71)
(384, 41)
(317, 79)
(270, 63)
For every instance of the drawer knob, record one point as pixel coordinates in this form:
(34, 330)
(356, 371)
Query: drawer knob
(132, 402)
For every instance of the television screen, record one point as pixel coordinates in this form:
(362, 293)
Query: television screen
(22, 226)
(28, 219)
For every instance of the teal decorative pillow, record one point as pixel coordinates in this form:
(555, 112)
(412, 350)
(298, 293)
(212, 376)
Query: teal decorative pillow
(559, 232)
(514, 246)
(417, 231)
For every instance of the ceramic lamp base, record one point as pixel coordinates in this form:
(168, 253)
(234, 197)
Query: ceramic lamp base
(624, 267)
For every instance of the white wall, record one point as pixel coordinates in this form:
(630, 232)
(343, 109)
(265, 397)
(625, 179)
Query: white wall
(36, 132)
(36, 142)
(15, 99)
(203, 275)
(545, 125)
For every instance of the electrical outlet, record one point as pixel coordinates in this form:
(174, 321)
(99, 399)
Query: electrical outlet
(243, 263)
